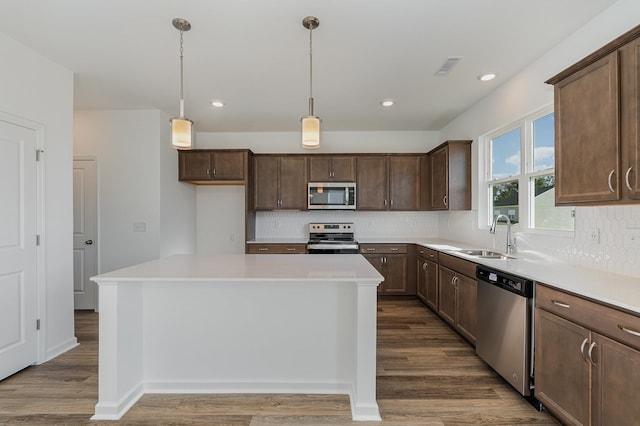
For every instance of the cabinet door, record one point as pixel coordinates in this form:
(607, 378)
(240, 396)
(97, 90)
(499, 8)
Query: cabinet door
(194, 165)
(228, 165)
(431, 297)
(447, 295)
(319, 169)
(404, 182)
(395, 274)
(439, 179)
(266, 183)
(467, 307)
(344, 169)
(616, 383)
(373, 182)
(587, 127)
(563, 374)
(630, 105)
(421, 279)
(293, 183)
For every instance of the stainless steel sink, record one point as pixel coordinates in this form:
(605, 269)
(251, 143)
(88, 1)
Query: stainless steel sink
(486, 254)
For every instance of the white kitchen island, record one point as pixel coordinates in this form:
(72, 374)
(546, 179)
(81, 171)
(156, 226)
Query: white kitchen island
(239, 324)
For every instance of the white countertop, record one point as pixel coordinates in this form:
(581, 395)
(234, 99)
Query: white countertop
(249, 267)
(618, 290)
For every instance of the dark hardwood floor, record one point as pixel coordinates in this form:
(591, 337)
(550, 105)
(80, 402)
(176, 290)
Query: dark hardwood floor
(427, 375)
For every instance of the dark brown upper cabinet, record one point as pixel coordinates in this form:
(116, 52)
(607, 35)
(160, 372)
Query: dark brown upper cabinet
(597, 116)
(332, 168)
(450, 176)
(205, 166)
(388, 182)
(280, 182)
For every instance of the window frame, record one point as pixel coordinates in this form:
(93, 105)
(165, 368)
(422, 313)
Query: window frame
(526, 187)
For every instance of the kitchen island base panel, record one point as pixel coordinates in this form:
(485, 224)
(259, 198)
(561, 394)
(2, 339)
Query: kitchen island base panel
(310, 337)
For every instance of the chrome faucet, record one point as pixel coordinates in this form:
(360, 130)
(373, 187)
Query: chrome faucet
(492, 230)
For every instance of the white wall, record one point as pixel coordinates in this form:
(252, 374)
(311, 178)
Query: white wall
(220, 219)
(177, 200)
(137, 183)
(41, 91)
(330, 142)
(526, 93)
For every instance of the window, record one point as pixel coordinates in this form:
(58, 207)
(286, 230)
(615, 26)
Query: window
(520, 176)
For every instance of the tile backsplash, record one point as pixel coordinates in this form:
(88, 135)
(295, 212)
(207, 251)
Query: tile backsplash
(605, 238)
(367, 224)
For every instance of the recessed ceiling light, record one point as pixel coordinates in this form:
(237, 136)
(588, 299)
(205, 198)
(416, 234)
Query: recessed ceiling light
(387, 102)
(487, 77)
(217, 103)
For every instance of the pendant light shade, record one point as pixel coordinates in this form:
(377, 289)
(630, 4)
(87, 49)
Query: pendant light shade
(181, 128)
(311, 132)
(311, 123)
(181, 137)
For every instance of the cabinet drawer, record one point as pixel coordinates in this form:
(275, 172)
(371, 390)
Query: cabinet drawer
(383, 248)
(618, 325)
(427, 253)
(277, 248)
(459, 265)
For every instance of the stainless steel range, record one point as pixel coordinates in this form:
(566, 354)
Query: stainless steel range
(331, 238)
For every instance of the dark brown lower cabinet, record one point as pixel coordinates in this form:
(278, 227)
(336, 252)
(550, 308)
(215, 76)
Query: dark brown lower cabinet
(427, 285)
(458, 295)
(275, 248)
(582, 376)
(391, 261)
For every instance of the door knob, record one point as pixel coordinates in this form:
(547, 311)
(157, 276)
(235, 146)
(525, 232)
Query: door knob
(88, 242)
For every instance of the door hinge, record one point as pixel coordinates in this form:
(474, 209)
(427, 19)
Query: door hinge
(38, 153)
(37, 240)
(37, 324)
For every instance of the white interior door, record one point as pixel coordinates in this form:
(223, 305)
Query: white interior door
(84, 234)
(18, 263)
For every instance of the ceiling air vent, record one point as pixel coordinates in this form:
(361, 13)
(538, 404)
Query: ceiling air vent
(446, 68)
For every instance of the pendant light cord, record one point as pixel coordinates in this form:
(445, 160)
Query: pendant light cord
(181, 76)
(310, 73)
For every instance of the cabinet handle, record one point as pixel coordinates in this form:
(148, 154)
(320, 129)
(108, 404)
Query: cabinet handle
(263, 249)
(425, 266)
(214, 171)
(385, 203)
(562, 305)
(371, 249)
(626, 179)
(609, 180)
(584, 342)
(395, 249)
(593, 345)
(628, 330)
(291, 249)
(431, 255)
(208, 172)
(392, 202)
(444, 200)
(421, 251)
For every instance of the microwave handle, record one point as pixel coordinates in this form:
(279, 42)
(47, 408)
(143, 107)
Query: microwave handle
(346, 197)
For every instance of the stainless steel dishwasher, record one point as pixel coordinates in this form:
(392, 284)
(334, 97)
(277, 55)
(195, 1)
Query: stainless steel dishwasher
(504, 337)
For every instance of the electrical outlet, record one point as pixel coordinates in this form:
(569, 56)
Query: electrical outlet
(632, 238)
(594, 236)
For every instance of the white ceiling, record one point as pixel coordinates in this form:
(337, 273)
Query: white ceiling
(253, 54)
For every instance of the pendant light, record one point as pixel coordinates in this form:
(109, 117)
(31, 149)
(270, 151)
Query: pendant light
(311, 123)
(181, 128)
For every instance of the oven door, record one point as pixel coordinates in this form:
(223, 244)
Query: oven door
(328, 248)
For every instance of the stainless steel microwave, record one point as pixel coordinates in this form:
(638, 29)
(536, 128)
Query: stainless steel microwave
(332, 196)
